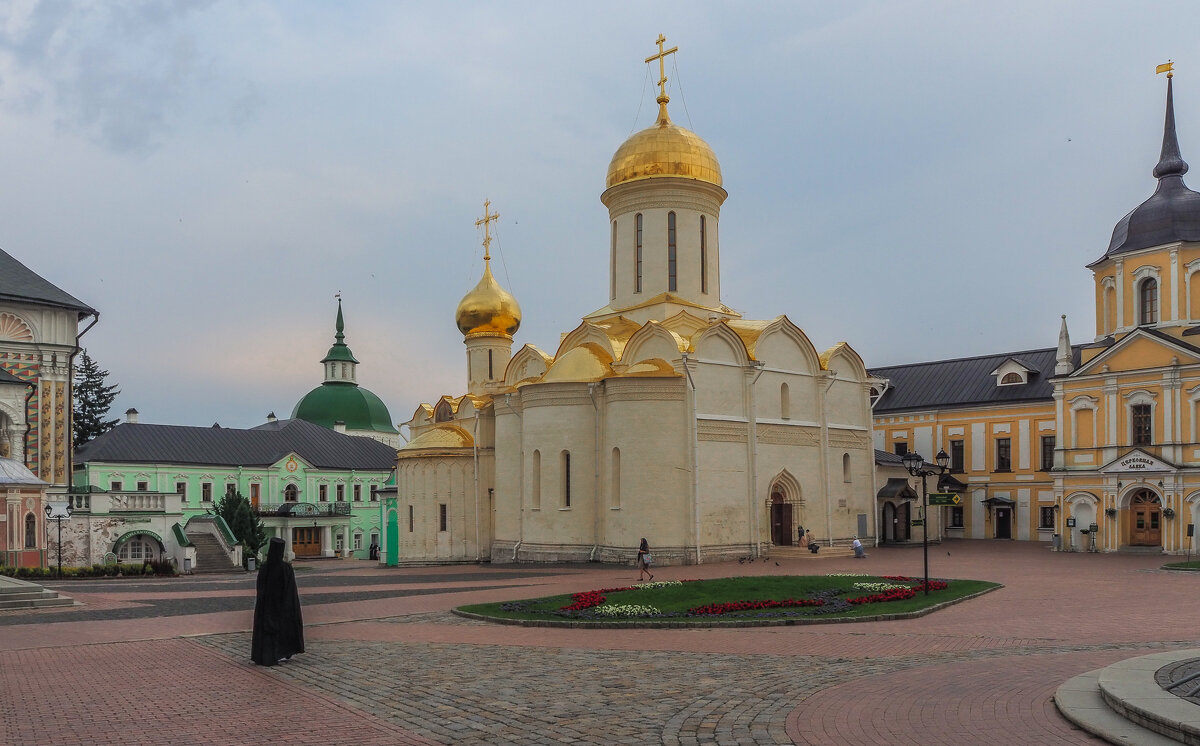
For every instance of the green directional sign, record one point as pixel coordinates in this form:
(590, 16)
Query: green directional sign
(944, 498)
(917, 522)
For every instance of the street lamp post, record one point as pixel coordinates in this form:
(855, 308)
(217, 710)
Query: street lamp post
(915, 463)
(58, 514)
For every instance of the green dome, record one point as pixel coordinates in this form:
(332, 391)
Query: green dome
(332, 401)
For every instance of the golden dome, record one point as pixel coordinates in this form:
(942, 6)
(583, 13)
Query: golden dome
(488, 309)
(664, 149)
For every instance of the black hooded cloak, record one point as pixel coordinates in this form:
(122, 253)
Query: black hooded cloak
(278, 628)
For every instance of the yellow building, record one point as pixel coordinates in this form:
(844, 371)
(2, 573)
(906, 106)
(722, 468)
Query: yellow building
(1094, 443)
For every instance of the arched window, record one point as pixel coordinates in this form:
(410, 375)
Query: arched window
(291, 493)
(785, 401)
(846, 468)
(490, 374)
(703, 255)
(1148, 296)
(616, 478)
(637, 261)
(1011, 378)
(30, 531)
(566, 479)
(612, 262)
(138, 549)
(671, 254)
(535, 482)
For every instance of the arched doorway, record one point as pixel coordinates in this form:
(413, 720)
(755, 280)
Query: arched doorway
(785, 509)
(1145, 519)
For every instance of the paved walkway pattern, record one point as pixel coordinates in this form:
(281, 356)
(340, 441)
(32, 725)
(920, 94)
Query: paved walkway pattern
(167, 661)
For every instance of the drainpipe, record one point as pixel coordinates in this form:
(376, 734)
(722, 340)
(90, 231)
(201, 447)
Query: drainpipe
(32, 386)
(825, 463)
(695, 455)
(752, 456)
(595, 472)
(70, 434)
(874, 502)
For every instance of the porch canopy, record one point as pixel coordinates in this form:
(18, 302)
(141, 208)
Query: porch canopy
(897, 489)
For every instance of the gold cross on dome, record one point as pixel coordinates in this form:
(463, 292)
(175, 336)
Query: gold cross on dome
(486, 221)
(662, 70)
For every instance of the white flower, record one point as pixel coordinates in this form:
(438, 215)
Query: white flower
(618, 610)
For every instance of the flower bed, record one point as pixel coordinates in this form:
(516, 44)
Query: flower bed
(729, 606)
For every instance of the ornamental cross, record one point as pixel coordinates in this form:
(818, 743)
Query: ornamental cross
(486, 221)
(662, 70)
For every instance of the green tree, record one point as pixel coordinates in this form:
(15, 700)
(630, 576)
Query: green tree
(247, 527)
(93, 398)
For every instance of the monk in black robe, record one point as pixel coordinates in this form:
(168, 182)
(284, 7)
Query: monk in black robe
(278, 628)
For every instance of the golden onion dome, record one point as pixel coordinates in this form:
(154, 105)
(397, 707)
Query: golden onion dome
(488, 308)
(663, 149)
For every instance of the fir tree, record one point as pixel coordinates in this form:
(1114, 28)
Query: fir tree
(93, 397)
(247, 528)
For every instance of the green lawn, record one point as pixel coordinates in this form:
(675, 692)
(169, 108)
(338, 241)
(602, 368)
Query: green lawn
(1193, 565)
(673, 603)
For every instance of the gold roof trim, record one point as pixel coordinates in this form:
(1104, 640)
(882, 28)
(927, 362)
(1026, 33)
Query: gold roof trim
(441, 436)
(654, 367)
(586, 363)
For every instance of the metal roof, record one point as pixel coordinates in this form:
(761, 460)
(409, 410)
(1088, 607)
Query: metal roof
(964, 382)
(20, 284)
(220, 446)
(6, 377)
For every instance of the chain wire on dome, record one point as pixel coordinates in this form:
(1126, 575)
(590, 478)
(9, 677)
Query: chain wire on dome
(682, 95)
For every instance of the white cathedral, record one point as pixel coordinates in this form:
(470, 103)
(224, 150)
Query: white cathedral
(663, 415)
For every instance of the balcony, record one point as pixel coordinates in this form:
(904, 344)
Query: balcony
(302, 510)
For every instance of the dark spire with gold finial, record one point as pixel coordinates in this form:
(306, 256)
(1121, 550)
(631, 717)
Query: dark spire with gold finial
(1172, 213)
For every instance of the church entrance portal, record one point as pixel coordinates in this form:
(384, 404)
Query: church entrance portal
(306, 542)
(781, 521)
(1146, 516)
(895, 522)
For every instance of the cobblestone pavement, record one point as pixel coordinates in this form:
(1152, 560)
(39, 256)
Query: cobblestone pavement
(388, 663)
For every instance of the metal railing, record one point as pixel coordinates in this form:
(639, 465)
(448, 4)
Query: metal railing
(301, 510)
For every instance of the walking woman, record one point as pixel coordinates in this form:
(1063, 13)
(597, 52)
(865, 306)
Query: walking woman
(644, 559)
(278, 628)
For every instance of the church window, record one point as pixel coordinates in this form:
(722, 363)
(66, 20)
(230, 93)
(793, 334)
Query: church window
(412, 518)
(323, 493)
(566, 478)
(1149, 301)
(206, 492)
(535, 481)
(490, 374)
(785, 401)
(616, 478)
(612, 261)
(291, 493)
(181, 490)
(846, 468)
(672, 257)
(703, 255)
(1142, 425)
(341, 493)
(637, 261)
(1011, 378)
(443, 519)
(30, 531)
(1003, 454)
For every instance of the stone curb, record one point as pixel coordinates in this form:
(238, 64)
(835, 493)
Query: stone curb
(700, 623)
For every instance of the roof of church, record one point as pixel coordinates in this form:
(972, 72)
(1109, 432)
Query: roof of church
(220, 446)
(6, 377)
(344, 401)
(1172, 213)
(14, 472)
(967, 381)
(21, 284)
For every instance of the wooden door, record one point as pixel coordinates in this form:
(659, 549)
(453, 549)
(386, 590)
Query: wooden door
(1003, 523)
(1146, 517)
(781, 524)
(306, 542)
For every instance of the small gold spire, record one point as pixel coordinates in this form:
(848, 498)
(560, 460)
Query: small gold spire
(486, 221)
(1165, 67)
(662, 76)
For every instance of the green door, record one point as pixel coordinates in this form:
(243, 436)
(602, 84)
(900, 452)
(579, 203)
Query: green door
(393, 535)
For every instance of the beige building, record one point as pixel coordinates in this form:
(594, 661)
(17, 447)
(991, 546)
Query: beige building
(664, 414)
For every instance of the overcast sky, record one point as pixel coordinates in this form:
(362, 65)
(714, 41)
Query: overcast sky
(923, 180)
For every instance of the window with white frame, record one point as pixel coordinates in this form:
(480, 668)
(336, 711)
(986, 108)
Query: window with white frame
(357, 540)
